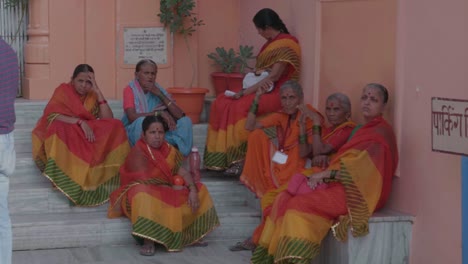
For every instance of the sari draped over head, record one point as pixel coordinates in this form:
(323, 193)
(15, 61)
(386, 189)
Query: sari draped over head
(86, 172)
(157, 211)
(227, 138)
(279, 133)
(181, 137)
(296, 225)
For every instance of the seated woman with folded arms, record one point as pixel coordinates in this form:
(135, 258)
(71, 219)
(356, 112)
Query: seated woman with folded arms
(359, 180)
(160, 197)
(71, 142)
(144, 97)
(327, 140)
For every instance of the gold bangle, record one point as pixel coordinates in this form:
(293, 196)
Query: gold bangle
(168, 104)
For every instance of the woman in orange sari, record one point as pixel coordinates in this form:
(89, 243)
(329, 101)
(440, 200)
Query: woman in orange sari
(160, 197)
(280, 56)
(273, 154)
(267, 178)
(359, 182)
(71, 142)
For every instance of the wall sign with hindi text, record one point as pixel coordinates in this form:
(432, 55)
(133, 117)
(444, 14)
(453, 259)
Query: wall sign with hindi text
(450, 125)
(145, 43)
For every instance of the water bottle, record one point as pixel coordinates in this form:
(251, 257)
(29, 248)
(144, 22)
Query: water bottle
(194, 160)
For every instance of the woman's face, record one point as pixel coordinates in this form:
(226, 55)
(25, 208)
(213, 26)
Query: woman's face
(81, 83)
(263, 33)
(336, 115)
(372, 104)
(147, 76)
(289, 101)
(154, 135)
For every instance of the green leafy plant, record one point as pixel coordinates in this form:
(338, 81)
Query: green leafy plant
(230, 60)
(178, 16)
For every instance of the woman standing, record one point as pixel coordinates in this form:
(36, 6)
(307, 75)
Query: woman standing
(359, 182)
(71, 142)
(280, 57)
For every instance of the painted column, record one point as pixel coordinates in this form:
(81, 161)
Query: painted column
(464, 175)
(36, 51)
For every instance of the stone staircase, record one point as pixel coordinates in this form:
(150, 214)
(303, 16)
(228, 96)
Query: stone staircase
(42, 218)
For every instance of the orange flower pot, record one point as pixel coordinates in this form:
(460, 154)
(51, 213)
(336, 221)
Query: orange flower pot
(191, 100)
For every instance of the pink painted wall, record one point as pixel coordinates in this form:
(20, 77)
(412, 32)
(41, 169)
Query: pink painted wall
(91, 32)
(357, 46)
(83, 35)
(432, 61)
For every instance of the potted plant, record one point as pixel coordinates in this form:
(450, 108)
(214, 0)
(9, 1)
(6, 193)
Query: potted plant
(232, 65)
(178, 16)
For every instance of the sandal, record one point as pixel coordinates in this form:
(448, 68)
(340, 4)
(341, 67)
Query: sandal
(148, 249)
(200, 243)
(244, 245)
(235, 169)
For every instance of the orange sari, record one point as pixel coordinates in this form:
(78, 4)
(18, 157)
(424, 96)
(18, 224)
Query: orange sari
(86, 172)
(157, 211)
(227, 138)
(296, 225)
(260, 173)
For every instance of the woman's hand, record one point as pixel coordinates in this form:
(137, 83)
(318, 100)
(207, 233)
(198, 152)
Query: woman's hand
(263, 89)
(159, 108)
(321, 161)
(316, 179)
(238, 95)
(193, 201)
(89, 134)
(92, 79)
(155, 90)
(306, 112)
(169, 120)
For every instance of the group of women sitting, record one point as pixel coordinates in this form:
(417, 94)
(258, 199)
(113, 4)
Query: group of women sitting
(86, 155)
(309, 177)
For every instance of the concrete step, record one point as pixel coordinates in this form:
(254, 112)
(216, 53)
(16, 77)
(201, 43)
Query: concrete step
(84, 229)
(23, 139)
(29, 111)
(42, 198)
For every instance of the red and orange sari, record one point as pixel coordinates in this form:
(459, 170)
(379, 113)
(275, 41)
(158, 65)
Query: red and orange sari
(86, 172)
(157, 211)
(260, 173)
(227, 138)
(296, 225)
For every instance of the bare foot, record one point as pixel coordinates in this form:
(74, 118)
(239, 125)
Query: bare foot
(148, 248)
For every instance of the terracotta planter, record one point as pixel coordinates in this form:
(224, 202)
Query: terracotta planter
(227, 81)
(219, 82)
(191, 100)
(235, 81)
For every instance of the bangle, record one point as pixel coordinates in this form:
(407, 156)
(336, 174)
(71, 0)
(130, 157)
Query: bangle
(79, 122)
(192, 185)
(102, 102)
(303, 139)
(254, 107)
(333, 174)
(156, 113)
(168, 104)
(316, 129)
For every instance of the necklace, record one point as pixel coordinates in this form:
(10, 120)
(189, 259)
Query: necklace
(151, 153)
